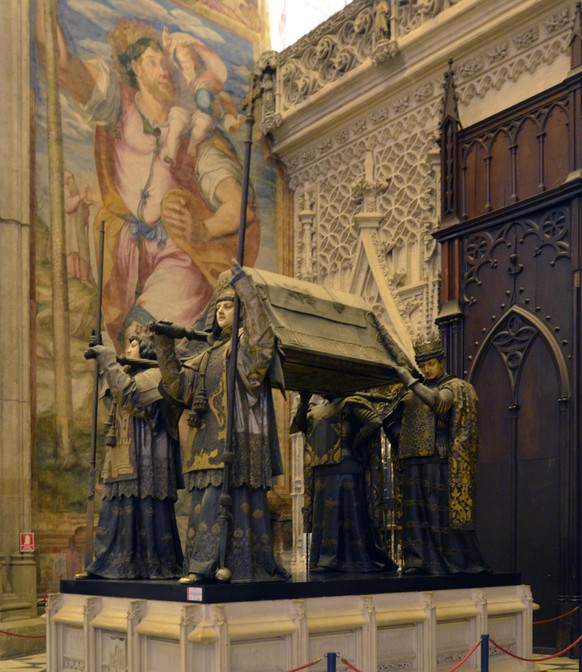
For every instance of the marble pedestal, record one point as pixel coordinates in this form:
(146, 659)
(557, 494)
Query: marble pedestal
(383, 623)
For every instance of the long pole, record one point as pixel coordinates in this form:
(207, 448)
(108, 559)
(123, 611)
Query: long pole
(223, 573)
(60, 313)
(92, 465)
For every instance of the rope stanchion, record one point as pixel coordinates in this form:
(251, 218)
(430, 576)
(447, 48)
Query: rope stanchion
(331, 661)
(15, 634)
(537, 660)
(466, 657)
(557, 618)
(484, 653)
(484, 642)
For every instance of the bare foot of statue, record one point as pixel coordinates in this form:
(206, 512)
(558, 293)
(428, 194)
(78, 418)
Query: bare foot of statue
(190, 578)
(85, 575)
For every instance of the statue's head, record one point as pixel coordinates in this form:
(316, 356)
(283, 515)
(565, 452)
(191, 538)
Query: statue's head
(223, 298)
(430, 357)
(140, 344)
(224, 312)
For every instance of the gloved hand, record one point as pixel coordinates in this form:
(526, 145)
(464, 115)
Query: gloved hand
(95, 339)
(237, 272)
(94, 351)
(164, 328)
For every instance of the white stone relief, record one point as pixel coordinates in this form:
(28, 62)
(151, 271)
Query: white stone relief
(471, 67)
(117, 655)
(334, 48)
(526, 38)
(397, 667)
(402, 189)
(75, 664)
(53, 602)
(511, 71)
(559, 21)
(298, 611)
(345, 41)
(189, 616)
(497, 54)
(535, 46)
(218, 615)
(309, 629)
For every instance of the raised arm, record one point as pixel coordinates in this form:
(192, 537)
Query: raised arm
(177, 381)
(76, 77)
(438, 400)
(258, 338)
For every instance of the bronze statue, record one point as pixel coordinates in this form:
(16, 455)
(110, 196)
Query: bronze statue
(254, 459)
(434, 433)
(343, 484)
(137, 536)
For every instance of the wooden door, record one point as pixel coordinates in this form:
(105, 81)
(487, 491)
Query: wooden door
(518, 341)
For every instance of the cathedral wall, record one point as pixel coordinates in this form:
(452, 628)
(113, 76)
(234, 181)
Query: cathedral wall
(356, 93)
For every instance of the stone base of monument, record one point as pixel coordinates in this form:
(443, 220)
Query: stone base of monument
(392, 622)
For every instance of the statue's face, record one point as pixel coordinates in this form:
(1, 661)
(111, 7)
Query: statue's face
(432, 368)
(132, 349)
(224, 313)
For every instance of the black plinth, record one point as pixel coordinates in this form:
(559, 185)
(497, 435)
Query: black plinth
(318, 585)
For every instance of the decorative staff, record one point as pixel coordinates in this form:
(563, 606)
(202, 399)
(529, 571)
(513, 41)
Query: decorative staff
(223, 573)
(92, 473)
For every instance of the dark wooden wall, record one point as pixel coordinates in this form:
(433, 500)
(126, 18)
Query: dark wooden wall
(511, 324)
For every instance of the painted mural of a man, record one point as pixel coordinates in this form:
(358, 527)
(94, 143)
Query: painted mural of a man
(170, 227)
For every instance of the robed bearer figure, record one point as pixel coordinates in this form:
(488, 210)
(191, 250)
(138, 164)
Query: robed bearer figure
(343, 483)
(434, 435)
(254, 460)
(137, 536)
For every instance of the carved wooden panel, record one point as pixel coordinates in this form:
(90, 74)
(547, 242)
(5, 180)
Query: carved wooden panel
(524, 155)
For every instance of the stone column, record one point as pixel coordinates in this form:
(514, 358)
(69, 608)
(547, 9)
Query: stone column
(15, 344)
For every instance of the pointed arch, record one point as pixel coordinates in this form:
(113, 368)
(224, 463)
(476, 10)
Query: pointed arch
(512, 337)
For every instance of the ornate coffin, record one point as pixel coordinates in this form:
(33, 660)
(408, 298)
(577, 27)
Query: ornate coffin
(331, 340)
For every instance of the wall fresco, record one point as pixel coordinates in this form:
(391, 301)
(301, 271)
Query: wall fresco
(153, 142)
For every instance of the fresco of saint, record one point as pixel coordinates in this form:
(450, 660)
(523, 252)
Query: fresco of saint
(167, 169)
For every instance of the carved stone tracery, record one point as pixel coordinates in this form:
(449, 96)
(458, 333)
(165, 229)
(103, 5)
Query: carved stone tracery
(407, 197)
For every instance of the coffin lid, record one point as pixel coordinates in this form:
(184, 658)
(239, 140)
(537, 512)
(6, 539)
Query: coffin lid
(332, 341)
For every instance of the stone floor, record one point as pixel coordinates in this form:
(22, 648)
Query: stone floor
(38, 662)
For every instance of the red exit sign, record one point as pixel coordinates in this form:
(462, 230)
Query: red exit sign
(27, 542)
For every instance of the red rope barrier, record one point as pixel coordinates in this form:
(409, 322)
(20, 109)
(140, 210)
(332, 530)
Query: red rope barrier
(313, 662)
(537, 660)
(466, 658)
(557, 618)
(456, 667)
(346, 662)
(15, 634)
